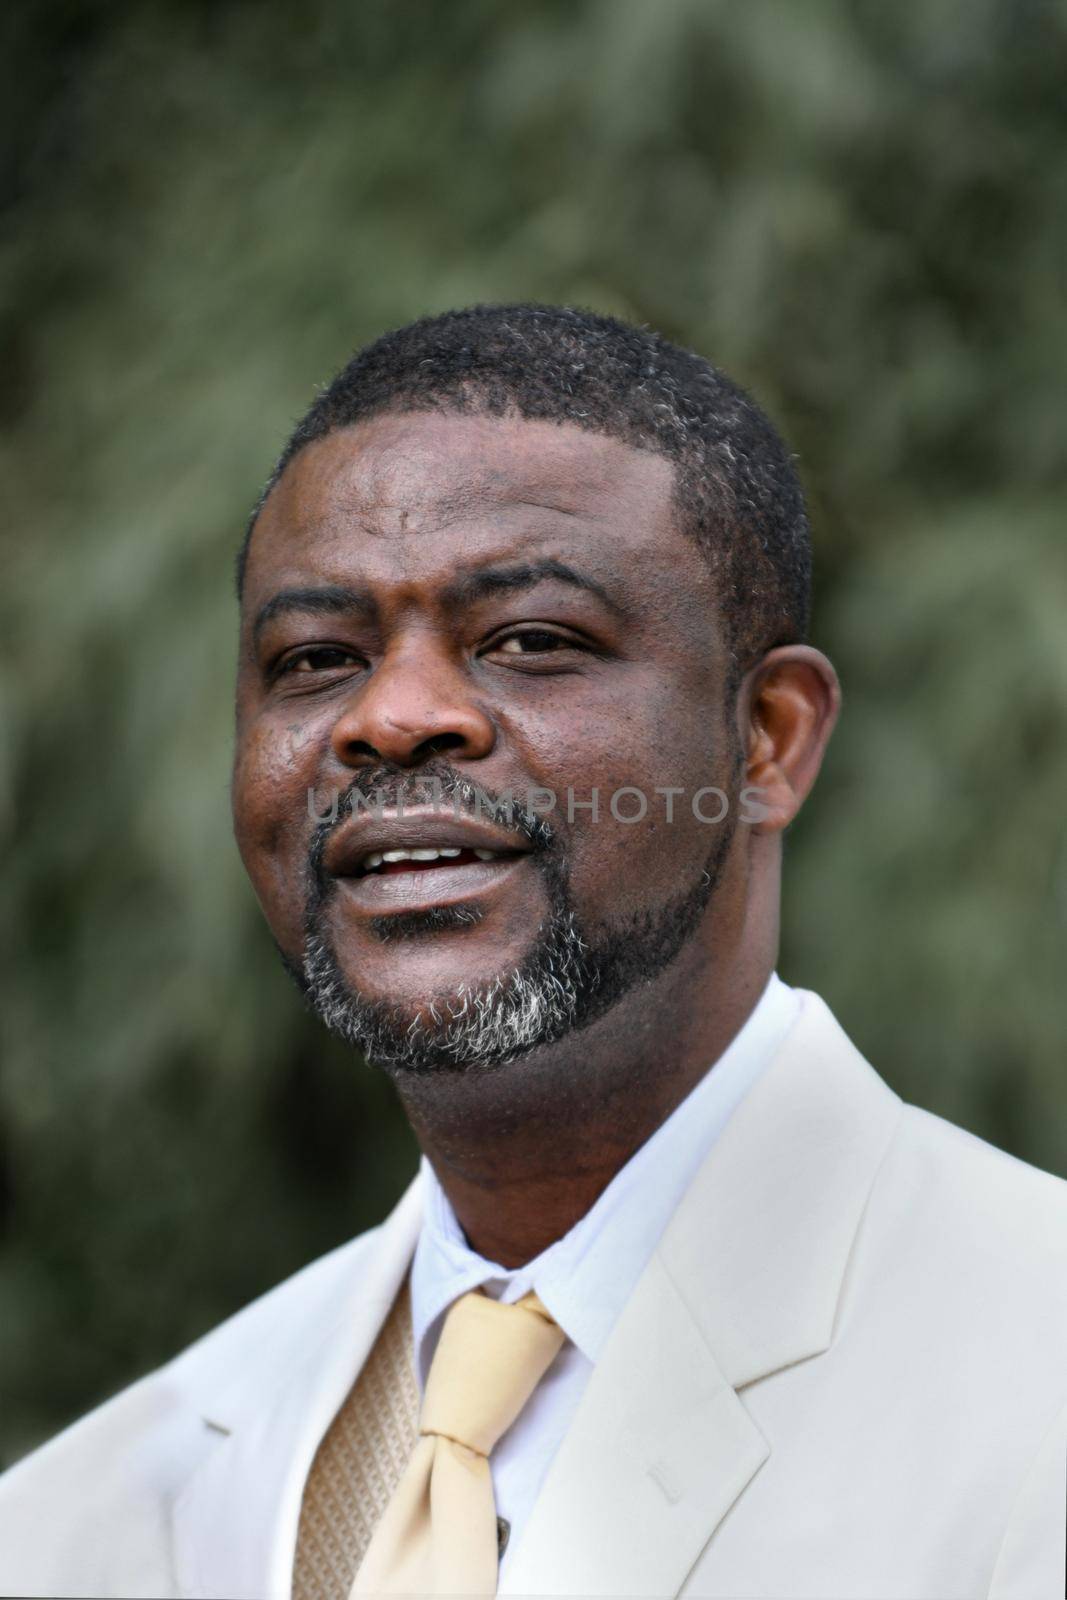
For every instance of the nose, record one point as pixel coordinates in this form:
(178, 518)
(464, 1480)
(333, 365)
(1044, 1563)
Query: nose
(415, 704)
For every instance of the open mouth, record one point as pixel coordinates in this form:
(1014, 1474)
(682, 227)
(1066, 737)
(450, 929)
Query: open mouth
(385, 863)
(418, 877)
(415, 860)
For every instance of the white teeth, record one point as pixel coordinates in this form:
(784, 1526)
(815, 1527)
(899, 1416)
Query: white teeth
(486, 855)
(428, 853)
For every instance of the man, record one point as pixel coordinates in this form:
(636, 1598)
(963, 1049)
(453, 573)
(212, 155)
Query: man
(683, 1300)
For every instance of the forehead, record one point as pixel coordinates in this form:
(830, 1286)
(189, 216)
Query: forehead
(408, 496)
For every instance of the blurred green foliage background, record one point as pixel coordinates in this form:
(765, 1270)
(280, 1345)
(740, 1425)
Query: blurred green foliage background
(858, 209)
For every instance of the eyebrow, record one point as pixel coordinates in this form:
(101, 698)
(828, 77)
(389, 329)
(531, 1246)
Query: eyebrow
(524, 575)
(329, 601)
(338, 599)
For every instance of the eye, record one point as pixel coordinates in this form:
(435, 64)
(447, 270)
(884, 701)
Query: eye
(316, 658)
(534, 641)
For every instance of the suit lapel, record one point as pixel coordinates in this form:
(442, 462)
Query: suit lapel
(235, 1524)
(746, 1281)
(660, 1449)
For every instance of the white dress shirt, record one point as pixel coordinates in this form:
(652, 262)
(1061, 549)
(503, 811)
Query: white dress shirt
(586, 1277)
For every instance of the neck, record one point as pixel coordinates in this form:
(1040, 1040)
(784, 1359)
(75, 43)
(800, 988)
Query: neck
(523, 1152)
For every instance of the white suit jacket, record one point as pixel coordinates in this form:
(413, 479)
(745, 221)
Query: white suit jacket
(842, 1376)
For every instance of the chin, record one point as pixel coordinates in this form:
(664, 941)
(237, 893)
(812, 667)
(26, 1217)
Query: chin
(419, 983)
(468, 1020)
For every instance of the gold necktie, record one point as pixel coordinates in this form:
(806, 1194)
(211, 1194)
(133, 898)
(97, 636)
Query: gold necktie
(438, 1534)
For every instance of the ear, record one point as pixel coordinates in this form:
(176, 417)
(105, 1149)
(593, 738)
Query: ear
(787, 706)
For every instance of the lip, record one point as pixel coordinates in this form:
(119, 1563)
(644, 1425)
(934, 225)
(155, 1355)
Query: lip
(417, 829)
(432, 887)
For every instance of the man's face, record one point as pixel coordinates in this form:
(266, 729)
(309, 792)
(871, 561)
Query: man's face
(493, 603)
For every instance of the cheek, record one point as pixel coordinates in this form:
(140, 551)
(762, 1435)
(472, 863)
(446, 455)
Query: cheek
(656, 742)
(271, 777)
(653, 729)
(274, 766)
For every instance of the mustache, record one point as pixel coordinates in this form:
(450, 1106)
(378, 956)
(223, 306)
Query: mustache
(436, 783)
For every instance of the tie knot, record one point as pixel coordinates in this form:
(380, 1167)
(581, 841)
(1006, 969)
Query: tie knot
(489, 1360)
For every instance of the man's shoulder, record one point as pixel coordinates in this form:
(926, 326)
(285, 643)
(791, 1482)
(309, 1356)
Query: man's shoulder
(1003, 1203)
(956, 1245)
(91, 1512)
(935, 1184)
(961, 1224)
(131, 1454)
(220, 1354)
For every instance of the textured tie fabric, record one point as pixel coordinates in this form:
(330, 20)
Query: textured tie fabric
(438, 1534)
(359, 1463)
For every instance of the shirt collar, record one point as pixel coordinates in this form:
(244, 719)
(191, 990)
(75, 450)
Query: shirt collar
(586, 1277)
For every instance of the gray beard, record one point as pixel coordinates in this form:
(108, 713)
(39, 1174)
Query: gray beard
(475, 1026)
(570, 977)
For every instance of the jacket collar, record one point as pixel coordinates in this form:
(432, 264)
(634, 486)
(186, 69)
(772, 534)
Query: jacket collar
(763, 1237)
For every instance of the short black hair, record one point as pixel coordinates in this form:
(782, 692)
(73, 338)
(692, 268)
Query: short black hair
(737, 493)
